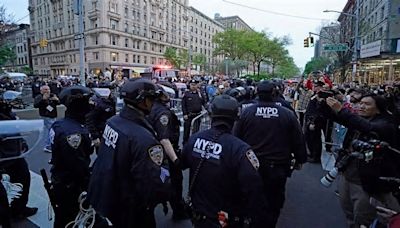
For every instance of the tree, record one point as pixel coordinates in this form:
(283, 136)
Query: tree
(316, 64)
(199, 60)
(6, 54)
(256, 46)
(277, 54)
(288, 68)
(5, 21)
(230, 43)
(171, 57)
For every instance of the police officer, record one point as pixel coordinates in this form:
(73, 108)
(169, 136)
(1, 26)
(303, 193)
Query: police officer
(248, 98)
(129, 177)
(279, 98)
(104, 108)
(275, 135)
(71, 147)
(225, 187)
(167, 126)
(192, 103)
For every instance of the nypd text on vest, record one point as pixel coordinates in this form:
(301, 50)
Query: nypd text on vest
(110, 136)
(267, 112)
(207, 148)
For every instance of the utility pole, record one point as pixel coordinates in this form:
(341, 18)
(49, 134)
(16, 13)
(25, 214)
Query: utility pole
(354, 59)
(78, 10)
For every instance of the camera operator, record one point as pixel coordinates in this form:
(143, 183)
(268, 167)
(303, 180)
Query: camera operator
(362, 177)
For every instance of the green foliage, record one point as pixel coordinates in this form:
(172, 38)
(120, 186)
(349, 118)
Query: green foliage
(316, 64)
(176, 58)
(288, 69)
(6, 54)
(199, 59)
(259, 77)
(230, 43)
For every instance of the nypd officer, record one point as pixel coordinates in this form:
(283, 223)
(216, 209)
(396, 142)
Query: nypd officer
(167, 126)
(225, 187)
(274, 134)
(71, 147)
(104, 108)
(129, 176)
(192, 103)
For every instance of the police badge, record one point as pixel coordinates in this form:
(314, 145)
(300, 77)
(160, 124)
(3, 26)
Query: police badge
(253, 159)
(156, 154)
(74, 140)
(164, 120)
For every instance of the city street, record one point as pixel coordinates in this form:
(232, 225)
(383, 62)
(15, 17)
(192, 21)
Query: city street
(308, 203)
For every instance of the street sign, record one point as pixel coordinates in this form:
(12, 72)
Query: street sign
(336, 47)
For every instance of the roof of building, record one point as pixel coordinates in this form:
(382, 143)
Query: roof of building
(233, 17)
(207, 17)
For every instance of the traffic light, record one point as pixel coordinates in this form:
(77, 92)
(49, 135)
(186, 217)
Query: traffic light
(43, 43)
(306, 45)
(311, 41)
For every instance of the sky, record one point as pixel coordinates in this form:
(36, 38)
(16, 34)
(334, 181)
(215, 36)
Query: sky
(257, 18)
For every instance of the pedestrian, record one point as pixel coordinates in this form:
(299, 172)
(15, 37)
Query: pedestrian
(275, 135)
(167, 126)
(47, 103)
(225, 188)
(130, 176)
(71, 149)
(192, 104)
(36, 84)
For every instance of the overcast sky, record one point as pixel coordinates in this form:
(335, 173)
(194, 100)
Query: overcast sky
(296, 28)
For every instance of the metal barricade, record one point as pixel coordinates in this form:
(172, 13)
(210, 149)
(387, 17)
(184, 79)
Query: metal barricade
(200, 123)
(176, 106)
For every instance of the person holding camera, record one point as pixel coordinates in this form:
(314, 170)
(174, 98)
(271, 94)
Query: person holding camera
(363, 164)
(47, 103)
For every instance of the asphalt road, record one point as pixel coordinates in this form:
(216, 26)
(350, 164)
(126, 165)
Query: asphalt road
(308, 204)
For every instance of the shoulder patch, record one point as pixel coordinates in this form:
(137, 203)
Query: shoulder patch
(253, 159)
(156, 154)
(164, 120)
(74, 140)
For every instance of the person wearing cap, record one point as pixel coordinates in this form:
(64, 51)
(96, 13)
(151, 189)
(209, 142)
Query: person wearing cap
(225, 189)
(71, 149)
(192, 105)
(314, 123)
(275, 135)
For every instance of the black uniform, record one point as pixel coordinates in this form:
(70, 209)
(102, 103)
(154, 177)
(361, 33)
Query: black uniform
(128, 176)
(315, 118)
(192, 104)
(167, 126)
(104, 108)
(227, 180)
(71, 147)
(280, 100)
(274, 134)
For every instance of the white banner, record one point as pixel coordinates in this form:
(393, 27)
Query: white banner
(371, 49)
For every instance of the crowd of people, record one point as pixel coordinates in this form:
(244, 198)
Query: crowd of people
(260, 133)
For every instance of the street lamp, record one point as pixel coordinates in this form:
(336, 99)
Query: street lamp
(357, 18)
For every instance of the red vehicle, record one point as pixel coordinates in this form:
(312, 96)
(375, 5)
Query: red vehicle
(160, 72)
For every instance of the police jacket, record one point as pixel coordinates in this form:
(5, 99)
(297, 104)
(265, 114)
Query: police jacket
(71, 149)
(246, 103)
(385, 162)
(47, 108)
(97, 117)
(228, 179)
(280, 100)
(165, 123)
(128, 173)
(273, 132)
(192, 102)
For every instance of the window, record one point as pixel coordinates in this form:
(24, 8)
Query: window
(145, 60)
(126, 42)
(145, 46)
(96, 55)
(126, 58)
(113, 7)
(138, 59)
(134, 58)
(113, 24)
(126, 12)
(382, 12)
(380, 32)
(113, 40)
(126, 27)
(114, 56)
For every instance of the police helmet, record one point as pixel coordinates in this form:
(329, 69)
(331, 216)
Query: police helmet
(137, 90)
(237, 93)
(266, 87)
(164, 95)
(224, 106)
(250, 91)
(71, 95)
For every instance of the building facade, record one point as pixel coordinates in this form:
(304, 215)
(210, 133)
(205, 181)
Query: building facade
(378, 46)
(202, 30)
(125, 35)
(232, 22)
(17, 38)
